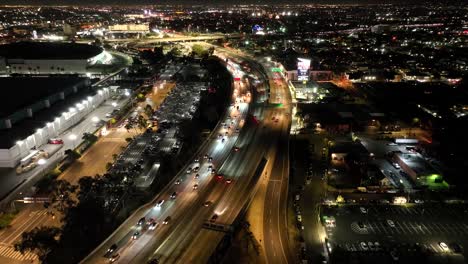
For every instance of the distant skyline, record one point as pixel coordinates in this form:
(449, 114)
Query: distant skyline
(219, 2)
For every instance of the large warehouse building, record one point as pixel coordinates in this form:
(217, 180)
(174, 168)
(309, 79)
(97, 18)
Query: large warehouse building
(54, 58)
(41, 108)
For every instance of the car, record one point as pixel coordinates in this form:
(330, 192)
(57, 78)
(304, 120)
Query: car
(173, 195)
(197, 160)
(196, 176)
(444, 246)
(222, 140)
(114, 258)
(141, 221)
(153, 225)
(456, 247)
(210, 159)
(363, 210)
(371, 246)
(109, 114)
(195, 186)
(219, 176)
(361, 225)
(213, 171)
(159, 203)
(236, 149)
(166, 221)
(418, 201)
(56, 141)
(136, 235)
(364, 246)
(228, 181)
(377, 245)
(390, 223)
(207, 203)
(189, 170)
(226, 133)
(112, 248)
(213, 218)
(150, 221)
(196, 169)
(396, 165)
(237, 130)
(177, 182)
(205, 156)
(394, 255)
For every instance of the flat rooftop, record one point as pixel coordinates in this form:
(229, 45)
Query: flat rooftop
(26, 127)
(417, 163)
(24, 91)
(48, 51)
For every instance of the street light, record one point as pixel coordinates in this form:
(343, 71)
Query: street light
(73, 138)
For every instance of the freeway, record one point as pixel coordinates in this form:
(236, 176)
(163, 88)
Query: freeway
(275, 226)
(184, 246)
(187, 195)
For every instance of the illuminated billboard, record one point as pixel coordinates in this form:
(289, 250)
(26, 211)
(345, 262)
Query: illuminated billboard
(303, 66)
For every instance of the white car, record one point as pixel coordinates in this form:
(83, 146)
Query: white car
(443, 246)
(364, 246)
(363, 210)
(159, 203)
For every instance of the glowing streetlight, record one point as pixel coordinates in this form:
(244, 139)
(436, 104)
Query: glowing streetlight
(73, 138)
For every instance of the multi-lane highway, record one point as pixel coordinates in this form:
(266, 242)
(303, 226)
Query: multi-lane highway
(188, 196)
(275, 225)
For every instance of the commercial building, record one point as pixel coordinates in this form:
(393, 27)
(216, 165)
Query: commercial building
(129, 28)
(415, 165)
(42, 109)
(54, 58)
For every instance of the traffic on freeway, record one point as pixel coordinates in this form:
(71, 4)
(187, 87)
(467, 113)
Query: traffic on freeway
(134, 240)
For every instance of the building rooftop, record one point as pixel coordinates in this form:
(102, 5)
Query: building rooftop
(48, 51)
(25, 126)
(417, 163)
(27, 91)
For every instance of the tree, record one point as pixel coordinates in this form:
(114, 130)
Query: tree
(158, 53)
(71, 154)
(62, 195)
(141, 122)
(149, 110)
(91, 138)
(41, 240)
(199, 50)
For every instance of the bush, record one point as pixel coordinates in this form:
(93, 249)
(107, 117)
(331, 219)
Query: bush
(5, 219)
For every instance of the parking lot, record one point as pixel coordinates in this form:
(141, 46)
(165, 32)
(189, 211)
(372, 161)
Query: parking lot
(437, 230)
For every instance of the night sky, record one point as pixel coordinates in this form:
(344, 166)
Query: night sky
(214, 2)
